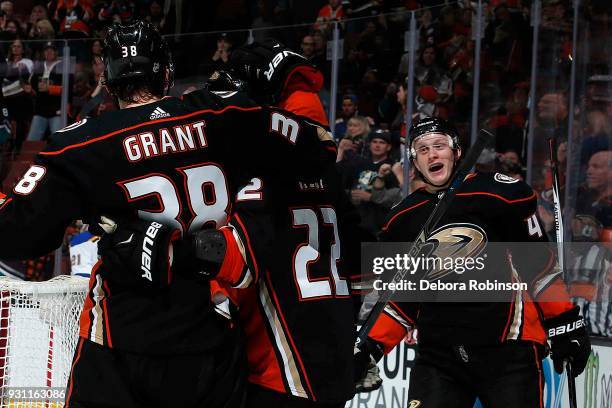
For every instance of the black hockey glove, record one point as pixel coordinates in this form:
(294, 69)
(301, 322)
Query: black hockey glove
(137, 253)
(366, 372)
(568, 340)
(266, 66)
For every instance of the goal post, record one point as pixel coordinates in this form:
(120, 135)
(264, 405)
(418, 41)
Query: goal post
(39, 326)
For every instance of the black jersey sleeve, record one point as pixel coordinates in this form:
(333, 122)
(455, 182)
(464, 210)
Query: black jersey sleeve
(272, 141)
(35, 214)
(533, 257)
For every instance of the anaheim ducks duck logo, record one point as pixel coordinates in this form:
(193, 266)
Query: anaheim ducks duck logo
(450, 245)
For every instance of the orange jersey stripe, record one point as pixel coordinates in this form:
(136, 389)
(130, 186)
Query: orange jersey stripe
(109, 135)
(85, 320)
(106, 315)
(386, 226)
(518, 200)
(249, 246)
(74, 363)
(532, 325)
(264, 368)
(290, 337)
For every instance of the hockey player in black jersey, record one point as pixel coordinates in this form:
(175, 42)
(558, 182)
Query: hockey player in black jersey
(178, 163)
(299, 233)
(492, 351)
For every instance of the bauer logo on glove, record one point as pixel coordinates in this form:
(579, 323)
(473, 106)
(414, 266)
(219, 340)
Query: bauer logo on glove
(570, 327)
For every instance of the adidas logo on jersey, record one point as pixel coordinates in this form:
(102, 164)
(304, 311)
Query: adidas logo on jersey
(159, 113)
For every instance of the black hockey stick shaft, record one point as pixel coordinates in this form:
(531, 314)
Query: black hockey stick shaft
(558, 215)
(436, 215)
(571, 384)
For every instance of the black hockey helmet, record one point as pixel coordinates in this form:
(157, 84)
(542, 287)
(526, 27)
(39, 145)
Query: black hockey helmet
(136, 51)
(432, 125)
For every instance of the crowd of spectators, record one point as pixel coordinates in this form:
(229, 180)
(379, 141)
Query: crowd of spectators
(372, 89)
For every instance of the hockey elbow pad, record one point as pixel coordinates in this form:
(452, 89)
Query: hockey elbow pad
(138, 253)
(569, 340)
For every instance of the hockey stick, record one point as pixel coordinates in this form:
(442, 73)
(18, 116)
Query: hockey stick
(571, 381)
(571, 384)
(552, 145)
(445, 199)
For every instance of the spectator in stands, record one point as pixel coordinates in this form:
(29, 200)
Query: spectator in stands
(81, 93)
(332, 11)
(8, 8)
(2, 24)
(156, 15)
(42, 30)
(319, 59)
(348, 110)
(361, 179)
(552, 116)
(596, 135)
(95, 100)
(222, 53)
(352, 145)
(370, 91)
(398, 126)
(508, 156)
(13, 28)
(308, 46)
(434, 86)
(96, 49)
(46, 83)
(14, 87)
(383, 196)
(595, 199)
(388, 106)
(117, 11)
(39, 12)
(74, 17)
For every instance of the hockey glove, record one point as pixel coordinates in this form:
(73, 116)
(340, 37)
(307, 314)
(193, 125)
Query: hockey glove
(371, 381)
(267, 66)
(365, 359)
(137, 253)
(568, 340)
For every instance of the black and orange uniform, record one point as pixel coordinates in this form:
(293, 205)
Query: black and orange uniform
(298, 316)
(490, 349)
(302, 243)
(178, 161)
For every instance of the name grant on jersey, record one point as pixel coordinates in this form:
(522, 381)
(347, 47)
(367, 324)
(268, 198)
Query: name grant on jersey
(165, 141)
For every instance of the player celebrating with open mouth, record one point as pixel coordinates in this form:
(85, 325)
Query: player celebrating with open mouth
(482, 349)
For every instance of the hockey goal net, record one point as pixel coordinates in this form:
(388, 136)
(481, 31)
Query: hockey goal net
(39, 323)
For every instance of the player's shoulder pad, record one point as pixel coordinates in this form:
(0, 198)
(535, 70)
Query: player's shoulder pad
(507, 191)
(206, 99)
(72, 134)
(407, 206)
(500, 186)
